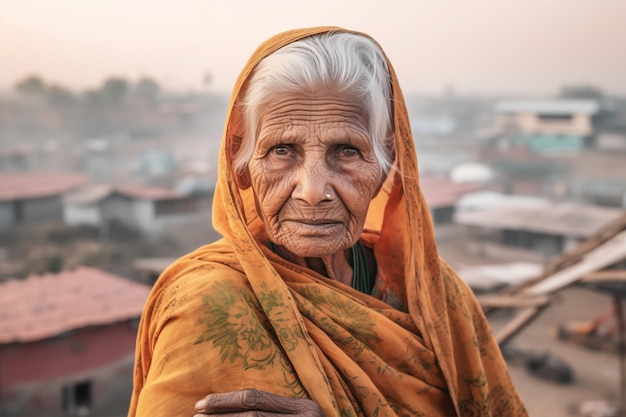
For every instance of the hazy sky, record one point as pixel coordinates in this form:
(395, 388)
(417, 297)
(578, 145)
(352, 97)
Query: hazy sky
(477, 46)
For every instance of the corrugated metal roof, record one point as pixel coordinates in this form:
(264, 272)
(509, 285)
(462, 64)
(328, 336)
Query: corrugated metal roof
(556, 107)
(27, 185)
(564, 218)
(42, 306)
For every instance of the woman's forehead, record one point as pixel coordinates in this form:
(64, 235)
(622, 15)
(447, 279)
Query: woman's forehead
(324, 107)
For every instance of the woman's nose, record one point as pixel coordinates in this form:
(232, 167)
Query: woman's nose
(312, 184)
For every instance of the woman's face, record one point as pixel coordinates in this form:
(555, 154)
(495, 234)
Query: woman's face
(313, 172)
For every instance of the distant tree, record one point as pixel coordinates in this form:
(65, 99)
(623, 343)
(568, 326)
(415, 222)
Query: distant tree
(58, 95)
(92, 98)
(581, 92)
(147, 89)
(114, 90)
(31, 85)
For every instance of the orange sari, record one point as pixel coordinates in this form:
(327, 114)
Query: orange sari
(234, 315)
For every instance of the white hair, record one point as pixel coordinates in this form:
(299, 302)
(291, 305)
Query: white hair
(349, 63)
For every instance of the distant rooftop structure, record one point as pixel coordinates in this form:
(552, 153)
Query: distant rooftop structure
(42, 306)
(30, 185)
(95, 193)
(484, 278)
(471, 172)
(443, 192)
(547, 107)
(486, 199)
(541, 216)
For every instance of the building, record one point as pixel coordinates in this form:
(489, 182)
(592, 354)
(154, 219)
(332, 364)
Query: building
(67, 343)
(146, 208)
(530, 143)
(442, 195)
(546, 126)
(533, 230)
(32, 197)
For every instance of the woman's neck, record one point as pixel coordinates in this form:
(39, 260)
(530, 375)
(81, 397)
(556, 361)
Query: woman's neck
(336, 266)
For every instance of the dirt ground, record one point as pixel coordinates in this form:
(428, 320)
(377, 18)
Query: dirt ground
(596, 373)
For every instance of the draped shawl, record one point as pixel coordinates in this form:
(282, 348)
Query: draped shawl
(234, 315)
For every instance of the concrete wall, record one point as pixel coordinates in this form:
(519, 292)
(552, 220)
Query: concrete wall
(77, 215)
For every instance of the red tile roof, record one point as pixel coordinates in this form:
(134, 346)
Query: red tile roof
(25, 185)
(147, 192)
(43, 306)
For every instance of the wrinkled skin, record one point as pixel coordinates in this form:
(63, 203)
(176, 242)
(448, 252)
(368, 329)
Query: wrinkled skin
(311, 146)
(251, 402)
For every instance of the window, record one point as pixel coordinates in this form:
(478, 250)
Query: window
(555, 117)
(18, 211)
(77, 398)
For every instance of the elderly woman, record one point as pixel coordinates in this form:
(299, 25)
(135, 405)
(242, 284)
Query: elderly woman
(326, 295)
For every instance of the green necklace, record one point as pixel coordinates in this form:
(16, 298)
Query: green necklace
(361, 279)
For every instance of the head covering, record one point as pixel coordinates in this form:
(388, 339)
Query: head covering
(440, 310)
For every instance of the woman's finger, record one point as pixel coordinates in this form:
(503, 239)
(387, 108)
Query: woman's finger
(252, 399)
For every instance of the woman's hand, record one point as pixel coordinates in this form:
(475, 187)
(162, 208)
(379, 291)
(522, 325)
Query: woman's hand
(256, 403)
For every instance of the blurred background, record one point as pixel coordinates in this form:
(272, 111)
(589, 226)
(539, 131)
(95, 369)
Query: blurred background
(111, 115)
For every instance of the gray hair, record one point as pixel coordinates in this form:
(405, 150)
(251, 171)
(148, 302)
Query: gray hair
(352, 64)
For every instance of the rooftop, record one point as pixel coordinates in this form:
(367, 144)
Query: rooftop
(42, 306)
(29, 185)
(443, 192)
(541, 216)
(555, 107)
(95, 193)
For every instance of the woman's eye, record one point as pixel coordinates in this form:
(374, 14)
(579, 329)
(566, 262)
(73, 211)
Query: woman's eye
(348, 151)
(280, 150)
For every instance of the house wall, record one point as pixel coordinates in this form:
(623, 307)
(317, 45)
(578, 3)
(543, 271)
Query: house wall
(144, 216)
(145, 219)
(580, 124)
(77, 215)
(131, 212)
(32, 375)
(185, 210)
(42, 209)
(30, 211)
(6, 214)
